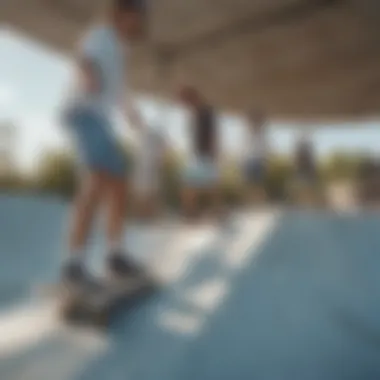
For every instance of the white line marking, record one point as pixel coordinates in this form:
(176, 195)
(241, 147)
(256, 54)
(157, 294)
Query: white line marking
(181, 323)
(25, 327)
(60, 360)
(254, 231)
(209, 295)
(188, 243)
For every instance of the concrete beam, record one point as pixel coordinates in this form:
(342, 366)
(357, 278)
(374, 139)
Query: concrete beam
(294, 58)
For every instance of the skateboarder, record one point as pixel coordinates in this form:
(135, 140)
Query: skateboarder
(256, 158)
(98, 90)
(202, 173)
(306, 173)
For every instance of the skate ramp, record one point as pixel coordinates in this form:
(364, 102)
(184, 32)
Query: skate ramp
(281, 295)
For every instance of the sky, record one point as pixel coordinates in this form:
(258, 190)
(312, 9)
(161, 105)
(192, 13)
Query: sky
(33, 81)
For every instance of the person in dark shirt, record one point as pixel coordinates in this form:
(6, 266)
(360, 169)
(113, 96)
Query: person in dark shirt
(202, 174)
(305, 161)
(306, 176)
(255, 156)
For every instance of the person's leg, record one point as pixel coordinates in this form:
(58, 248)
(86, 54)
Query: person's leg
(84, 128)
(86, 204)
(119, 265)
(255, 179)
(155, 201)
(149, 205)
(312, 196)
(249, 182)
(142, 210)
(214, 188)
(302, 189)
(214, 197)
(101, 154)
(257, 194)
(190, 190)
(189, 198)
(118, 171)
(117, 211)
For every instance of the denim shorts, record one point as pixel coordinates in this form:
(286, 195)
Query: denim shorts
(96, 145)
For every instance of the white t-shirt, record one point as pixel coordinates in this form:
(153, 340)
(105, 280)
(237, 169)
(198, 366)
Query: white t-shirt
(256, 145)
(103, 48)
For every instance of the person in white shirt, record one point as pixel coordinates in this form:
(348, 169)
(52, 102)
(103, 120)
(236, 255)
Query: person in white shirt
(202, 175)
(149, 171)
(255, 158)
(99, 90)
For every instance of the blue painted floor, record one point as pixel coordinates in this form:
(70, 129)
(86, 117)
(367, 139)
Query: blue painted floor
(305, 305)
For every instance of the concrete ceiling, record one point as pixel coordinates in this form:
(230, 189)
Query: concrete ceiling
(296, 59)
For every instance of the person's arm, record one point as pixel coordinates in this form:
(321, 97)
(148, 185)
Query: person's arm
(89, 75)
(89, 53)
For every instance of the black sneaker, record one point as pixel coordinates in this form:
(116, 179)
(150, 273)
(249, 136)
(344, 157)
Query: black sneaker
(75, 277)
(73, 272)
(119, 266)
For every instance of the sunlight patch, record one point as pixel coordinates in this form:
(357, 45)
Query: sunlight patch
(254, 232)
(176, 260)
(208, 295)
(25, 326)
(181, 323)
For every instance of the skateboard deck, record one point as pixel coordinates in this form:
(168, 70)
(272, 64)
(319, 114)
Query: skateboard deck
(97, 306)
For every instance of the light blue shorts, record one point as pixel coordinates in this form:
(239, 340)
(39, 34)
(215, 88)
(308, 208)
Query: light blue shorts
(97, 148)
(201, 172)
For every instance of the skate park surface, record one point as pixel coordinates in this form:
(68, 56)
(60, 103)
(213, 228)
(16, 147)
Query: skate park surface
(276, 295)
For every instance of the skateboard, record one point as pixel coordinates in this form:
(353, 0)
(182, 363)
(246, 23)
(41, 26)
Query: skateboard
(97, 305)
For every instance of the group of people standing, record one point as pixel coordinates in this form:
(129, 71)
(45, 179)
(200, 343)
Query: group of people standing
(99, 88)
(201, 174)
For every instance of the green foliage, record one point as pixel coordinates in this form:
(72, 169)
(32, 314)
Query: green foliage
(14, 182)
(279, 174)
(342, 166)
(171, 179)
(56, 174)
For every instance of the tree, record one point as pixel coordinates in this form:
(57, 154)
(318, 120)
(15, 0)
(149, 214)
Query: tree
(56, 174)
(278, 177)
(341, 166)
